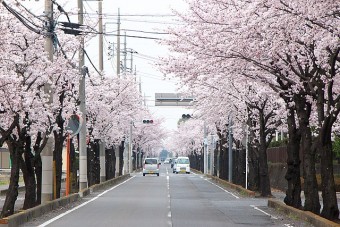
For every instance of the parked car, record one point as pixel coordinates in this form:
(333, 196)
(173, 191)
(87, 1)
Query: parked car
(151, 166)
(182, 165)
(167, 161)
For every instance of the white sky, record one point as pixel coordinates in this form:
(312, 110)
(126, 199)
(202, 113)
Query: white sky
(151, 79)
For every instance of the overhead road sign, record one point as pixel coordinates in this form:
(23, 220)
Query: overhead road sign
(173, 99)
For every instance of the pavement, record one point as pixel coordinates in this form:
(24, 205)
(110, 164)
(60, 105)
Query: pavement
(279, 196)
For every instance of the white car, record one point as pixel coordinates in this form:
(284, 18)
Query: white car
(150, 166)
(167, 161)
(182, 165)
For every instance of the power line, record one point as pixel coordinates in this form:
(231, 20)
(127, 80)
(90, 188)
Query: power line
(29, 11)
(133, 15)
(91, 62)
(26, 22)
(131, 36)
(157, 33)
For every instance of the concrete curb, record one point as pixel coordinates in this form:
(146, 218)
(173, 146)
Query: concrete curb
(307, 216)
(29, 214)
(238, 188)
(4, 191)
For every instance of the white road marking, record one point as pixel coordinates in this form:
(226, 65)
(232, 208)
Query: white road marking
(168, 185)
(288, 225)
(18, 199)
(256, 208)
(81, 205)
(223, 189)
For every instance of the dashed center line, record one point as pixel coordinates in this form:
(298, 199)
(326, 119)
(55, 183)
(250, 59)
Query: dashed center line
(169, 198)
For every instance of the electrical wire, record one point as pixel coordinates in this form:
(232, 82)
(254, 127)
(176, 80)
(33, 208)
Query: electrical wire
(134, 15)
(131, 36)
(156, 33)
(22, 19)
(29, 11)
(91, 62)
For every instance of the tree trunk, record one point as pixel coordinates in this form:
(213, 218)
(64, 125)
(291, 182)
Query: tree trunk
(30, 185)
(312, 202)
(58, 159)
(93, 163)
(253, 164)
(216, 152)
(38, 174)
(110, 162)
(330, 208)
(12, 193)
(265, 189)
(74, 167)
(27, 167)
(121, 158)
(223, 157)
(293, 193)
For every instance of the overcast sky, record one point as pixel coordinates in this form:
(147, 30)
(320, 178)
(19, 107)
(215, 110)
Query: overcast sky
(146, 16)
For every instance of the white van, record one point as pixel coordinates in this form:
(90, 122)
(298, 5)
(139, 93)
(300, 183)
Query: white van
(182, 165)
(151, 166)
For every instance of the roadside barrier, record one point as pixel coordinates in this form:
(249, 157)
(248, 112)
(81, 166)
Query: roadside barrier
(307, 216)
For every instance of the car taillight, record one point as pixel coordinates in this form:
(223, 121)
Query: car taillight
(144, 166)
(158, 166)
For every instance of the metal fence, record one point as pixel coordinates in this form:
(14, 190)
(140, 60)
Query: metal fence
(277, 154)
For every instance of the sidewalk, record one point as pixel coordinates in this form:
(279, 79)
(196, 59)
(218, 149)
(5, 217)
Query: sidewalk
(280, 195)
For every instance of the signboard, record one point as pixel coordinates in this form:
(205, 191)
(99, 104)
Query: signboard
(74, 124)
(172, 99)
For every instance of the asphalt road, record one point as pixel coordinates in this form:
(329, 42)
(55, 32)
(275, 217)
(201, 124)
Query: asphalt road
(168, 200)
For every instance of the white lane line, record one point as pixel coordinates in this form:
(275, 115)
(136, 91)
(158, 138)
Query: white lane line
(256, 208)
(223, 189)
(288, 225)
(169, 197)
(81, 205)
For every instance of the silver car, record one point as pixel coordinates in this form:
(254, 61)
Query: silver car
(151, 166)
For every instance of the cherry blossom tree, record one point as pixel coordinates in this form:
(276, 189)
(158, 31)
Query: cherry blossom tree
(290, 47)
(25, 70)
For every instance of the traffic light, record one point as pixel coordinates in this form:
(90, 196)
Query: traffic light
(147, 121)
(186, 116)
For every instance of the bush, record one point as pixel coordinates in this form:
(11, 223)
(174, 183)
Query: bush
(279, 143)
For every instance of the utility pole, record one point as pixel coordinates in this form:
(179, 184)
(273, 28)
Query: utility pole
(47, 153)
(118, 45)
(101, 68)
(125, 54)
(102, 161)
(247, 156)
(131, 65)
(212, 155)
(230, 146)
(130, 148)
(100, 24)
(205, 156)
(82, 108)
